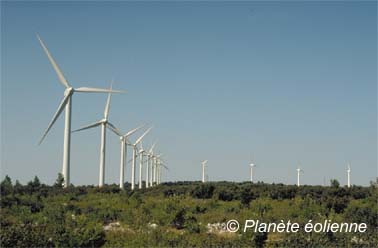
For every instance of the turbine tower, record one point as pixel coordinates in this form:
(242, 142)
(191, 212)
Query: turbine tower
(135, 152)
(104, 123)
(66, 104)
(251, 170)
(124, 142)
(148, 166)
(141, 155)
(203, 170)
(348, 171)
(299, 170)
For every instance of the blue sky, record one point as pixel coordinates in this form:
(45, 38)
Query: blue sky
(279, 83)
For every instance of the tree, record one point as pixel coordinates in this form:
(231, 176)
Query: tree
(335, 183)
(246, 197)
(6, 186)
(59, 181)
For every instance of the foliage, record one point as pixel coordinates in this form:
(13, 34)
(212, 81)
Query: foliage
(179, 214)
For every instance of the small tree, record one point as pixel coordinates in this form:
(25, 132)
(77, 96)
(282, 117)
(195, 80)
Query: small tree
(59, 181)
(6, 186)
(335, 183)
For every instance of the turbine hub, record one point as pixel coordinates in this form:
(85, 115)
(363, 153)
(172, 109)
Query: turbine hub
(68, 91)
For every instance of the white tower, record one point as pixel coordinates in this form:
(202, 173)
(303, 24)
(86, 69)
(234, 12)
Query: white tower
(203, 170)
(348, 171)
(299, 170)
(251, 170)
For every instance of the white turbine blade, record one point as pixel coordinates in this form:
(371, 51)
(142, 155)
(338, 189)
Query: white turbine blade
(55, 66)
(133, 130)
(56, 115)
(107, 106)
(141, 137)
(204, 162)
(152, 147)
(97, 90)
(88, 127)
(113, 128)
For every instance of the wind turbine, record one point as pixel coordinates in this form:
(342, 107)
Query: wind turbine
(66, 104)
(135, 151)
(155, 160)
(104, 123)
(141, 153)
(203, 170)
(124, 142)
(348, 171)
(148, 166)
(299, 170)
(159, 164)
(251, 170)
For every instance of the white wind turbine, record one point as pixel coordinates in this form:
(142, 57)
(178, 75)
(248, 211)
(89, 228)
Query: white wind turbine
(203, 170)
(157, 168)
(251, 170)
(161, 164)
(299, 170)
(104, 123)
(348, 172)
(135, 152)
(148, 166)
(155, 159)
(141, 153)
(66, 104)
(124, 142)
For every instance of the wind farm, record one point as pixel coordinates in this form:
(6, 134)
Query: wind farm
(198, 118)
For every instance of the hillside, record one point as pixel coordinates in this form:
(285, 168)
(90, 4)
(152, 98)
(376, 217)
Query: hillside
(181, 214)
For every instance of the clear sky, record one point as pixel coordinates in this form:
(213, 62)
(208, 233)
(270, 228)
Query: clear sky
(276, 83)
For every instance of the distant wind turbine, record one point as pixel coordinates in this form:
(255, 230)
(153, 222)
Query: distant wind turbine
(203, 170)
(141, 153)
(148, 166)
(251, 170)
(348, 171)
(299, 170)
(66, 104)
(124, 142)
(135, 152)
(104, 123)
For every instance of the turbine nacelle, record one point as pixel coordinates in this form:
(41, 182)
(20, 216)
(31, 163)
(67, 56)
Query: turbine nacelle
(69, 91)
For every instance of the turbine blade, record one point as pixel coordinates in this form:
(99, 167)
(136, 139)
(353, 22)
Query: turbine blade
(98, 90)
(133, 130)
(56, 115)
(152, 147)
(61, 77)
(106, 111)
(88, 126)
(141, 137)
(113, 129)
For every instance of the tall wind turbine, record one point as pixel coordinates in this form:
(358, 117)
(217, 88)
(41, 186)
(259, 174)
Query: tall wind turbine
(148, 166)
(66, 104)
(203, 170)
(141, 153)
(124, 142)
(135, 151)
(251, 170)
(155, 160)
(104, 123)
(160, 164)
(348, 171)
(299, 170)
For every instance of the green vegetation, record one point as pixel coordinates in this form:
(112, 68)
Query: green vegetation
(182, 214)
